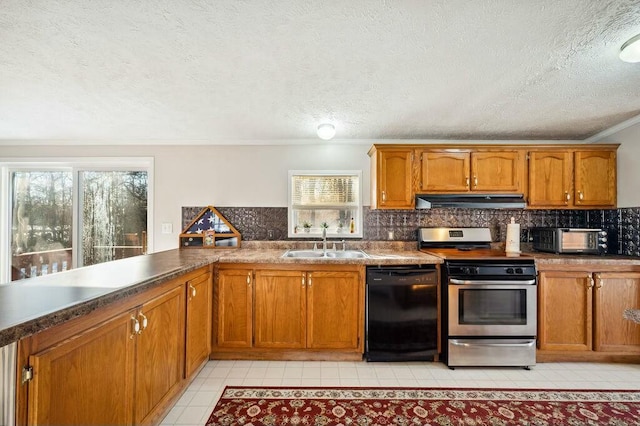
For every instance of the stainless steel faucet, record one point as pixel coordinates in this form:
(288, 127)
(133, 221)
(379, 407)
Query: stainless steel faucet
(324, 241)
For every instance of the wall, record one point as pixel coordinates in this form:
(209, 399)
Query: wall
(247, 176)
(622, 225)
(628, 160)
(256, 175)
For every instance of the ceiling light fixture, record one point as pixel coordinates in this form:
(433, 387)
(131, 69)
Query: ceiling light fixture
(630, 51)
(326, 131)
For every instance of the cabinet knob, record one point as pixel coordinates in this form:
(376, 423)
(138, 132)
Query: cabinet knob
(303, 281)
(567, 196)
(309, 280)
(598, 281)
(384, 196)
(466, 180)
(475, 181)
(249, 278)
(580, 196)
(193, 290)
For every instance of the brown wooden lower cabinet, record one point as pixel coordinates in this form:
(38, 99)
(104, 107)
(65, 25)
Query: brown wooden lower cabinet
(159, 352)
(199, 304)
(289, 312)
(580, 316)
(122, 364)
(71, 381)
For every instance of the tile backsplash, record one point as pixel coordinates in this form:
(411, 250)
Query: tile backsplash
(270, 223)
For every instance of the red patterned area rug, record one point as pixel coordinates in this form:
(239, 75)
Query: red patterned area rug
(438, 406)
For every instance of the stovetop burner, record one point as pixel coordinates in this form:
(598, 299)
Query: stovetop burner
(461, 243)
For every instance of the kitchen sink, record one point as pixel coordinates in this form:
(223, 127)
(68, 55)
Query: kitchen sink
(347, 254)
(302, 253)
(330, 254)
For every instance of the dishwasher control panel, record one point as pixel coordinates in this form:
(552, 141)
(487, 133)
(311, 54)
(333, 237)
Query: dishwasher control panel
(401, 276)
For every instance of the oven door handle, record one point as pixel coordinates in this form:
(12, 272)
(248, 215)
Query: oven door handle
(495, 345)
(491, 282)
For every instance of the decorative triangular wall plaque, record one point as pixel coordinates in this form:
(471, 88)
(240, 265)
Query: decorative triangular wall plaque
(210, 229)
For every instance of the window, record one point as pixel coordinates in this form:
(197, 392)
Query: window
(61, 215)
(325, 199)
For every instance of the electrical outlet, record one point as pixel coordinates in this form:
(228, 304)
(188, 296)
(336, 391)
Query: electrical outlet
(270, 234)
(167, 228)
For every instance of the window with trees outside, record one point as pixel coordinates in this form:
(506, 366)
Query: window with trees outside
(65, 216)
(329, 200)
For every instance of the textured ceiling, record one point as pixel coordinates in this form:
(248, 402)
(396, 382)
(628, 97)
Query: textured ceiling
(228, 71)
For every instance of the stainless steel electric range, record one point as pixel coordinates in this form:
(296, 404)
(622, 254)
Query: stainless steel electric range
(489, 299)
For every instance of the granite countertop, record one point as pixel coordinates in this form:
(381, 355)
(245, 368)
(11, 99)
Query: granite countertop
(32, 305)
(583, 259)
(379, 253)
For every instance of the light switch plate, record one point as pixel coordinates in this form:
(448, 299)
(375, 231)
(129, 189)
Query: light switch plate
(167, 228)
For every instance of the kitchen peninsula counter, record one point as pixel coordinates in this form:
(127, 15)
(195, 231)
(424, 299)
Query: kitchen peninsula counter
(33, 305)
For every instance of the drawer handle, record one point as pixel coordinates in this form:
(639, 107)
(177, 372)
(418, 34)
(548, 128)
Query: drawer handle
(193, 290)
(249, 278)
(384, 196)
(494, 345)
(475, 181)
(598, 281)
(135, 325)
(466, 179)
(303, 281)
(145, 322)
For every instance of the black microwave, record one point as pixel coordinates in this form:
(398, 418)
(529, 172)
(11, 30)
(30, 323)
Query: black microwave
(569, 240)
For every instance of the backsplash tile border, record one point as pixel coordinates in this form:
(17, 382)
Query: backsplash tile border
(270, 223)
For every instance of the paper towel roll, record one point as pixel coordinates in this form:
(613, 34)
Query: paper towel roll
(513, 237)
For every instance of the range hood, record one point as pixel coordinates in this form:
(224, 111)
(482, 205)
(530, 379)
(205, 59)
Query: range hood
(471, 201)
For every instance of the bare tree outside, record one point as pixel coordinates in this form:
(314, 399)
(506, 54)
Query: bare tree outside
(114, 215)
(113, 219)
(41, 226)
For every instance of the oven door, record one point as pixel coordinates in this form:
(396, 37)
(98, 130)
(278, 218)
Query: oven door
(491, 308)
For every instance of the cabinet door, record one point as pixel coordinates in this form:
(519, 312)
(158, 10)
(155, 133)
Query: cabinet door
(280, 309)
(497, 171)
(159, 353)
(445, 172)
(595, 178)
(394, 181)
(615, 292)
(565, 311)
(235, 312)
(87, 379)
(333, 306)
(198, 339)
(550, 179)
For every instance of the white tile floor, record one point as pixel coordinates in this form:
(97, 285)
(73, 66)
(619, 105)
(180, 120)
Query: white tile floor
(198, 401)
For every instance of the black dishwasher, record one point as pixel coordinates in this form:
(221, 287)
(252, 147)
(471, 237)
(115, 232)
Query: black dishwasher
(402, 313)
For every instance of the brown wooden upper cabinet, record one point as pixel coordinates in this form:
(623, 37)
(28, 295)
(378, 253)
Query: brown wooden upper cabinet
(573, 178)
(482, 171)
(554, 177)
(391, 178)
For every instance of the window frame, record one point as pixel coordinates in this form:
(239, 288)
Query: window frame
(358, 219)
(75, 166)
